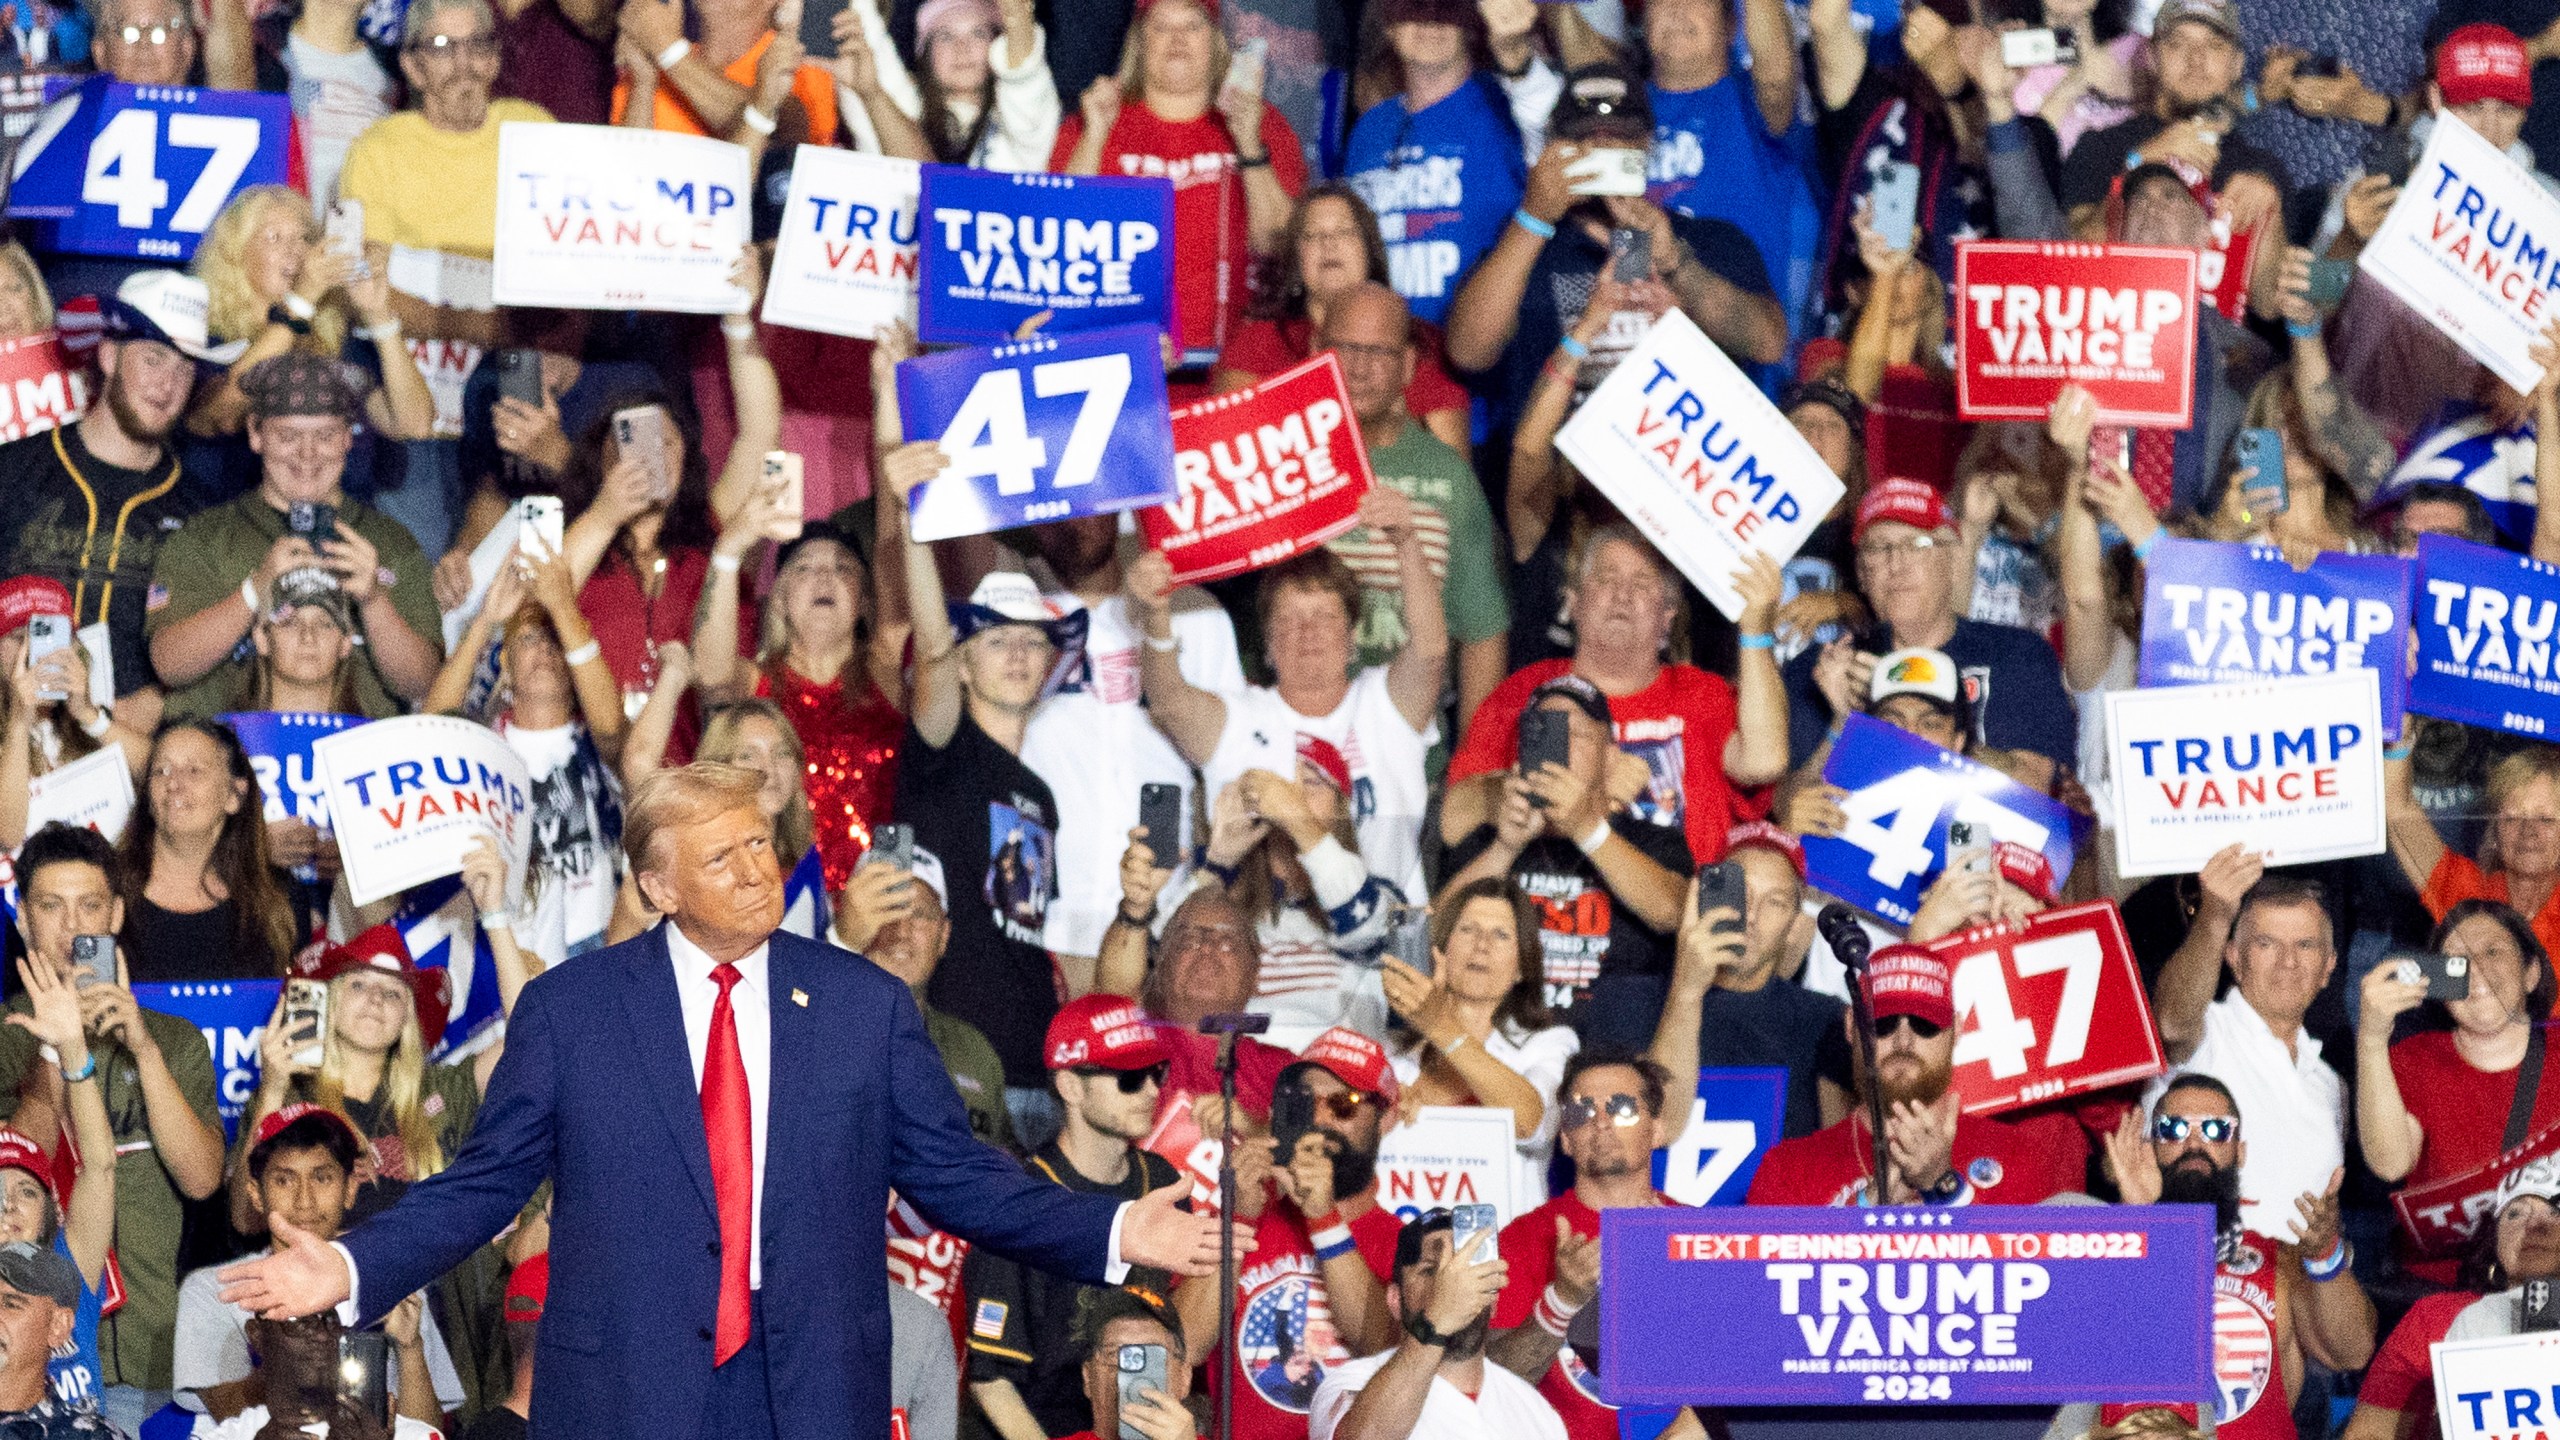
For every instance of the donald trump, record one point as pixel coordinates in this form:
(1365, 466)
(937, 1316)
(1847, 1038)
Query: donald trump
(722, 1110)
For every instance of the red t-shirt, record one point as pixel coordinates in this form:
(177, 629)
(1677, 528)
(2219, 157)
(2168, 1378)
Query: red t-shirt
(2248, 1365)
(1212, 258)
(2005, 1164)
(630, 626)
(1264, 348)
(1285, 1338)
(1529, 1248)
(2464, 1114)
(2402, 1376)
(1677, 725)
(1194, 1069)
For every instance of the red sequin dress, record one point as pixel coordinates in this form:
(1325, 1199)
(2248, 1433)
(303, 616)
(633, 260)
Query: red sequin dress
(852, 749)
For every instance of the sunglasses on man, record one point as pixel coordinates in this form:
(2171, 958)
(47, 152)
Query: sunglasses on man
(1623, 1111)
(2171, 1129)
(1131, 1081)
(1925, 1029)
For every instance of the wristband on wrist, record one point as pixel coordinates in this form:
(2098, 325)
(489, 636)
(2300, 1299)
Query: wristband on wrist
(88, 1068)
(1575, 348)
(756, 120)
(592, 650)
(1598, 837)
(97, 725)
(299, 308)
(1253, 162)
(1134, 922)
(1533, 224)
(2310, 331)
(1552, 1314)
(279, 315)
(1454, 1046)
(2331, 1265)
(497, 924)
(1333, 1249)
(726, 563)
(1165, 646)
(249, 596)
(385, 332)
(2142, 551)
(738, 327)
(2396, 752)
(673, 55)
(1757, 642)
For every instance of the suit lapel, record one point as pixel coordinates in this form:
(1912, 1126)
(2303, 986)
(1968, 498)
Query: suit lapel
(656, 1017)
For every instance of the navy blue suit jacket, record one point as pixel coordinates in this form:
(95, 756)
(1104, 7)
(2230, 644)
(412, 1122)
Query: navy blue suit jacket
(596, 1094)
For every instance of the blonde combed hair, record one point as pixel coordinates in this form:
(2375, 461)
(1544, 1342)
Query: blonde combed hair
(238, 311)
(795, 829)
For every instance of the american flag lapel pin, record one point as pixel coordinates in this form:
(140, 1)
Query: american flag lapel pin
(800, 998)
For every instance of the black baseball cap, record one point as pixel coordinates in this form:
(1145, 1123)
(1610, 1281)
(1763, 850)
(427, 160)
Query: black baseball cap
(37, 1270)
(1603, 98)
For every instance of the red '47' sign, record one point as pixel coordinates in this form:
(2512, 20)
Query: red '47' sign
(1265, 472)
(2048, 1008)
(2117, 320)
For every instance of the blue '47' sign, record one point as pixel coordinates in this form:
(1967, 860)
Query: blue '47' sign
(1038, 431)
(142, 170)
(1903, 791)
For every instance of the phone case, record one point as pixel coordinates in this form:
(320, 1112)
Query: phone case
(1160, 810)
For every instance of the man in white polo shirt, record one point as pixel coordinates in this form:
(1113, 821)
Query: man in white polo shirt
(1435, 1384)
(2280, 951)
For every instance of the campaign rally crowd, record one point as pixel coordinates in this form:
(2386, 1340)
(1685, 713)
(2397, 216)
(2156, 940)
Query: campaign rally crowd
(1493, 800)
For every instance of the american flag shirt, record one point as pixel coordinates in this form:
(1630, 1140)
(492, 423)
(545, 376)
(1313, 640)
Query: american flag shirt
(2248, 1367)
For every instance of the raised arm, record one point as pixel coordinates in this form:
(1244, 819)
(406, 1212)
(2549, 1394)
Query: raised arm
(1839, 53)
(2392, 1137)
(655, 26)
(2343, 436)
(1419, 671)
(599, 695)
(1709, 944)
(644, 749)
(2088, 618)
(2546, 458)
(2186, 984)
(2414, 841)
(934, 705)
(1191, 717)
(1756, 752)
(1771, 35)
(754, 391)
(1486, 313)
(507, 592)
(53, 1016)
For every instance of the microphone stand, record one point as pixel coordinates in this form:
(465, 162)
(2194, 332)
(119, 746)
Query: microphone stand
(1850, 945)
(1229, 1028)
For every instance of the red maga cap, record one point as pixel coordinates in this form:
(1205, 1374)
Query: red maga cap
(1108, 1032)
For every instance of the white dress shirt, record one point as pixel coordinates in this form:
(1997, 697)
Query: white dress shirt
(2293, 1110)
(1505, 1407)
(751, 1002)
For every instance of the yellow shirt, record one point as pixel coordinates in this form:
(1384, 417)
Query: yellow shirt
(428, 188)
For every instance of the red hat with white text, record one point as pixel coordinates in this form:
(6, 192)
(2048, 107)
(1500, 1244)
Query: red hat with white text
(1909, 980)
(1103, 1032)
(1904, 502)
(2482, 61)
(1761, 835)
(1354, 1059)
(24, 597)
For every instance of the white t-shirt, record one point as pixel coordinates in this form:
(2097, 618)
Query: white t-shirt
(211, 1345)
(1538, 1057)
(335, 97)
(579, 872)
(1095, 745)
(2491, 1317)
(1384, 751)
(2293, 1111)
(1506, 1408)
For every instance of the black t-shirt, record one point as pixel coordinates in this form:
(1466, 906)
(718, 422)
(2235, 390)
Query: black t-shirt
(97, 528)
(1022, 1320)
(1560, 286)
(497, 1423)
(164, 945)
(1780, 1024)
(993, 824)
(2102, 155)
(1607, 971)
(2010, 674)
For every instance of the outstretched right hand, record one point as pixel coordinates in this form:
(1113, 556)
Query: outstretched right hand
(302, 1276)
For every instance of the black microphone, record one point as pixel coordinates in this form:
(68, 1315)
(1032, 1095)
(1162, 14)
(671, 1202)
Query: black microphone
(1839, 927)
(1235, 1023)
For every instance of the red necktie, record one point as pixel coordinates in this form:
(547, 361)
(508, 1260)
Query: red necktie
(727, 1122)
